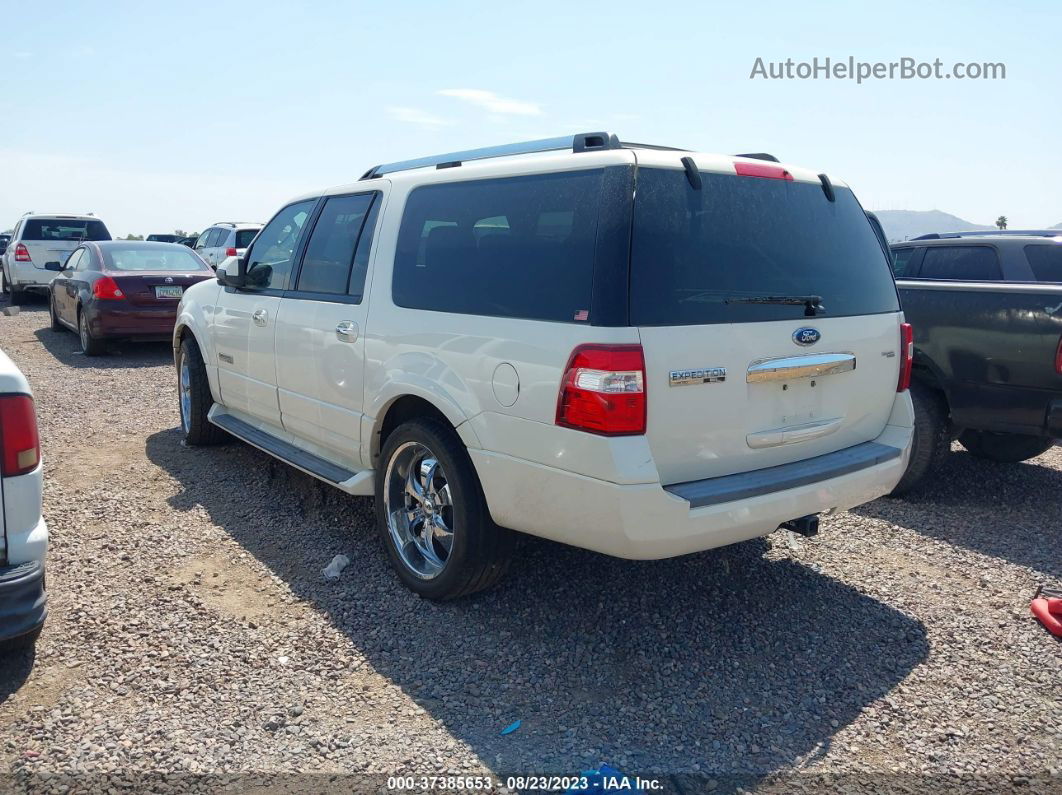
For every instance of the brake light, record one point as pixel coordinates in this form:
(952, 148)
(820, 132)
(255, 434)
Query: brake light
(1058, 357)
(762, 170)
(906, 356)
(22, 254)
(18, 435)
(603, 390)
(107, 289)
(230, 252)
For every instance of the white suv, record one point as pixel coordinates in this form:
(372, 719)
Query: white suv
(23, 532)
(513, 338)
(39, 247)
(225, 239)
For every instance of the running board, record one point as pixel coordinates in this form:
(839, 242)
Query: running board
(348, 480)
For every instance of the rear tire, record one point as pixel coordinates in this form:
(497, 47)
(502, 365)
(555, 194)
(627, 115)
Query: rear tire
(479, 551)
(931, 441)
(1004, 448)
(90, 345)
(17, 295)
(193, 397)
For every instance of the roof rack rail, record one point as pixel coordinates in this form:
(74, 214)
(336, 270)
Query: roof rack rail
(991, 233)
(760, 156)
(582, 142)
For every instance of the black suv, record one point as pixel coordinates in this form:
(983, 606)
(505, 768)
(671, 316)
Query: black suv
(987, 314)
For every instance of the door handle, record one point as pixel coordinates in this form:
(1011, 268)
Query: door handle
(347, 331)
(259, 317)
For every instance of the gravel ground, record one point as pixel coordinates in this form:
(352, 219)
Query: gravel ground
(191, 630)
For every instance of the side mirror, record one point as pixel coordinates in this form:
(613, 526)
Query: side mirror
(237, 280)
(53, 266)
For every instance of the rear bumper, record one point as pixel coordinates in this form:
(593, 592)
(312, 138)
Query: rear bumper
(647, 521)
(23, 600)
(1007, 409)
(129, 320)
(25, 276)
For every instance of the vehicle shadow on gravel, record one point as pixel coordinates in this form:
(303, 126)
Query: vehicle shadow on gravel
(15, 668)
(714, 664)
(1008, 511)
(66, 348)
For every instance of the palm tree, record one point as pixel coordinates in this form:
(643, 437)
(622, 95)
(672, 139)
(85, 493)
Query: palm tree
(1001, 222)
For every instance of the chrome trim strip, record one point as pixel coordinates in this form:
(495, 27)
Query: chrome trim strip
(981, 287)
(789, 367)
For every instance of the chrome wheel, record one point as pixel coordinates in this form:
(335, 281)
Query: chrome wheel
(419, 509)
(185, 391)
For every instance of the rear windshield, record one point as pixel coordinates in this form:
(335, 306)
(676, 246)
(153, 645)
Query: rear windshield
(163, 238)
(711, 255)
(244, 237)
(1045, 261)
(64, 229)
(152, 259)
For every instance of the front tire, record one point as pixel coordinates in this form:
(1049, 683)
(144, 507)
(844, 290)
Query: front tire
(931, 441)
(432, 515)
(194, 398)
(1004, 448)
(53, 315)
(90, 345)
(22, 642)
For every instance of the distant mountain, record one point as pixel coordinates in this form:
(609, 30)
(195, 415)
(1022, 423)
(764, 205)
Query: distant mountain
(1057, 226)
(905, 224)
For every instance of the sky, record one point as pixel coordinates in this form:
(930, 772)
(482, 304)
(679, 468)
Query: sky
(157, 117)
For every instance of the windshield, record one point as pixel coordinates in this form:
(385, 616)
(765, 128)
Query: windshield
(161, 258)
(64, 229)
(749, 249)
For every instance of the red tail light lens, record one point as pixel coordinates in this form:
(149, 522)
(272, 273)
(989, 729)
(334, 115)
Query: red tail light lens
(603, 390)
(18, 435)
(906, 356)
(762, 170)
(106, 289)
(22, 254)
(230, 252)
(1058, 358)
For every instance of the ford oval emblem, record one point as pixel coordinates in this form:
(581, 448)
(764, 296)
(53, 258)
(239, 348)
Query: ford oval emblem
(806, 336)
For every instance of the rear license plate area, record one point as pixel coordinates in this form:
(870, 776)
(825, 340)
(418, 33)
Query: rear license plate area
(169, 292)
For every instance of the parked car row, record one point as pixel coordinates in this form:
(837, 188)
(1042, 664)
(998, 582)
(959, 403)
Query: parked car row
(511, 339)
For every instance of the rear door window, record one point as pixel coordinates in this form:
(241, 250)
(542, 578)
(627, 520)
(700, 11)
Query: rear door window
(64, 229)
(904, 262)
(512, 247)
(1045, 261)
(214, 238)
(329, 257)
(961, 263)
(715, 255)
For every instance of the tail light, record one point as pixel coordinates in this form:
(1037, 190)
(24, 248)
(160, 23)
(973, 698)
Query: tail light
(22, 254)
(107, 289)
(18, 435)
(906, 356)
(603, 390)
(1058, 358)
(230, 252)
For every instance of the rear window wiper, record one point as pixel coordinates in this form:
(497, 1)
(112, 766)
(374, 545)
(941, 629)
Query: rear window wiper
(812, 303)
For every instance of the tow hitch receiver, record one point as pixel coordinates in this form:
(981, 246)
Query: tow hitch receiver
(805, 525)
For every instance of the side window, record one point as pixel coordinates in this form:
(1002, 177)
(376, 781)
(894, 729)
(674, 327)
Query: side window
(269, 260)
(73, 260)
(512, 247)
(961, 263)
(1045, 261)
(902, 261)
(216, 235)
(330, 253)
(361, 256)
(202, 240)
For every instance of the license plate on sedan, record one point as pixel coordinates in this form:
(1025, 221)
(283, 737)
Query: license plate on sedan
(169, 292)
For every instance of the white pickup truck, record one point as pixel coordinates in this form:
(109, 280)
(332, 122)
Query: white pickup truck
(23, 532)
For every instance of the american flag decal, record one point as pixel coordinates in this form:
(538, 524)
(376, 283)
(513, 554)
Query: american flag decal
(582, 314)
